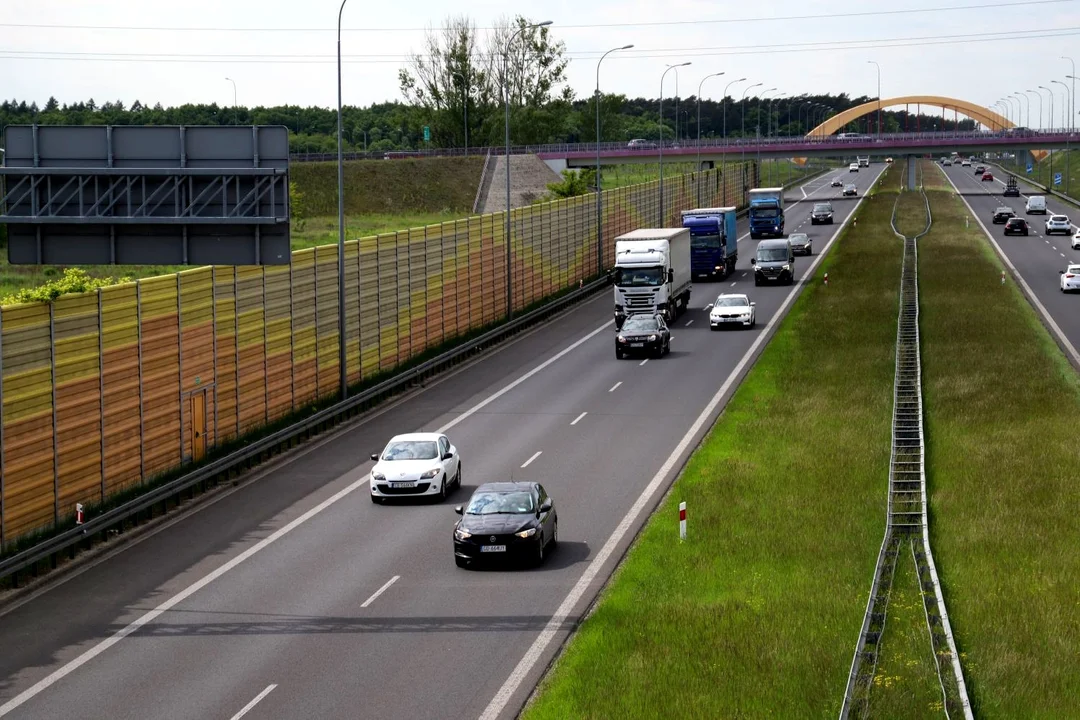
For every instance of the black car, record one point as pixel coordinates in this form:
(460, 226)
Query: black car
(1002, 214)
(1017, 225)
(645, 334)
(506, 520)
(822, 213)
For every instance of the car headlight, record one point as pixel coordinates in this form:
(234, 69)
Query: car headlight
(431, 473)
(621, 339)
(460, 534)
(786, 267)
(652, 338)
(378, 477)
(526, 533)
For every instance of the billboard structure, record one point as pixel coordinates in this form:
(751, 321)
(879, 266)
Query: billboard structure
(146, 195)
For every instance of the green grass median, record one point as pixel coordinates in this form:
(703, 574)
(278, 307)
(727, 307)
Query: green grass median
(757, 614)
(1002, 404)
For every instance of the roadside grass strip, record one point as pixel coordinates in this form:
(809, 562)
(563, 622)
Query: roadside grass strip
(1002, 407)
(755, 615)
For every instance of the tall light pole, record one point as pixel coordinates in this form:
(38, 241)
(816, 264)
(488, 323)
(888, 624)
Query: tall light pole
(343, 371)
(1038, 95)
(599, 192)
(676, 67)
(768, 116)
(1020, 94)
(233, 92)
(1051, 94)
(697, 166)
(875, 64)
(1069, 99)
(506, 126)
(742, 131)
(723, 103)
(1072, 93)
(669, 68)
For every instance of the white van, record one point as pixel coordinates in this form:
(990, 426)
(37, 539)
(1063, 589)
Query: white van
(1035, 204)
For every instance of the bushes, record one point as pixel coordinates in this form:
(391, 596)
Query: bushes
(73, 280)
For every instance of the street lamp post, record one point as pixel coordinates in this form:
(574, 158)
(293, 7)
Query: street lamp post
(676, 102)
(599, 192)
(1021, 94)
(669, 68)
(233, 99)
(1069, 100)
(465, 100)
(1072, 93)
(723, 102)
(343, 370)
(757, 131)
(742, 119)
(875, 64)
(506, 126)
(1039, 95)
(697, 166)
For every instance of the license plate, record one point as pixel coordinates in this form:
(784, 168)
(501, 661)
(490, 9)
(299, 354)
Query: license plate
(493, 548)
(402, 484)
(637, 344)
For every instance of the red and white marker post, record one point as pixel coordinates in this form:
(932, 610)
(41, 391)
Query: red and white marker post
(682, 521)
(78, 514)
(826, 278)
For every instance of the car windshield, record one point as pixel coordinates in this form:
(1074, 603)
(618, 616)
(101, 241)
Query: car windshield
(705, 240)
(639, 277)
(730, 302)
(797, 237)
(1017, 221)
(493, 503)
(640, 323)
(1073, 269)
(411, 450)
(823, 207)
(772, 254)
(1059, 218)
(764, 212)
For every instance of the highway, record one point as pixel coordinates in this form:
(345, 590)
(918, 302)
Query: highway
(295, 596)
(1037, 258)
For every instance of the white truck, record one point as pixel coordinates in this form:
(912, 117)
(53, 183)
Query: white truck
(864, 160)
(652, 273)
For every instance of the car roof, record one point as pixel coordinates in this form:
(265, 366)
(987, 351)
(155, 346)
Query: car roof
(732, 295)
(1003, 207)
(416, 436)
(1059, 217)
(772, 243)
(505, 486)
(796, 234)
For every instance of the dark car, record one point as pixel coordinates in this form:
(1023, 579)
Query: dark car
(980, 169)
(1002, 214)
(801, 244)
(645, 334)
(774, 262)
(1011, 188)
(850, 190)
(506, 520)
(822, 213)
(1017, 225)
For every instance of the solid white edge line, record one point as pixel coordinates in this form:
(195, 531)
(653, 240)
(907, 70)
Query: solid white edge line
(74, 664)
(258, 698)
(375, 595)
(1032, 298)
(579, 417)
(535, 455)
(562, 614)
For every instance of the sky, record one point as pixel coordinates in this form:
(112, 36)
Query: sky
(283, 52)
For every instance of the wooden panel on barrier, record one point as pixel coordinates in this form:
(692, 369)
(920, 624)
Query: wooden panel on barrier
(120, 362)
(278, 329)
(304, 339)
(161, 374)
(226, 415)
(326, 319)
(197, 341)
(251, 306)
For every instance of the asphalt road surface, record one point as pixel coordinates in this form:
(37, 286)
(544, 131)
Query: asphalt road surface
(295, 596)
(1037, 257)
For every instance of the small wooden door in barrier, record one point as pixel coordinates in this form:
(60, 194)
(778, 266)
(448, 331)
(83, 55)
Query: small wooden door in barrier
(198, 426)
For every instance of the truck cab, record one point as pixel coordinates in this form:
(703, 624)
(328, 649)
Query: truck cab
(714, 244)
(864, 162)
(766, 212)
(652, 273)
(774, 262)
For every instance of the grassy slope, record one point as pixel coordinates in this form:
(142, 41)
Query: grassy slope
(758, 613)
(1001, 406)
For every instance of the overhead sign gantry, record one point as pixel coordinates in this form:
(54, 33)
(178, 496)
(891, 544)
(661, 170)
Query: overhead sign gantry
(146, 195)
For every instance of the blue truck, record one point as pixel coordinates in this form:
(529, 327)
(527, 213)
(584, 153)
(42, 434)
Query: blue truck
(766, 212)
(714, 242)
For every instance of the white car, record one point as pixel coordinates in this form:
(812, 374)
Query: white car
(1058, 223)
(965, 163)
(1070, 278)
(415, 464)
(853, 167)
(1076, 240)
(732, 308)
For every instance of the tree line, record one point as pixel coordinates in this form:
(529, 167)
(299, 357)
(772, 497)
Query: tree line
(458, 74)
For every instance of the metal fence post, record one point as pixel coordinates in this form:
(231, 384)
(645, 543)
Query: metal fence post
(213, 321)
(3, 497)
(180, 362)
(236, 344)
(292, 345)
(266, 354)
(359, 318)
(55, 440)
(142, 433)
(101, 387)
(318, 345)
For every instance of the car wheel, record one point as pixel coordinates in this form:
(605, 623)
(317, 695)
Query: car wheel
(540, 551)
(457, 483)
(442, 490)
(810, 251)
(555, 533)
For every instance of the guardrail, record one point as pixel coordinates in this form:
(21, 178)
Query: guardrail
(214, 471)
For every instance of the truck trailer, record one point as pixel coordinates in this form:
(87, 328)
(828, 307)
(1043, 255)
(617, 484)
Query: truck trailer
(652, 273)
(766, 212)
(714, 242)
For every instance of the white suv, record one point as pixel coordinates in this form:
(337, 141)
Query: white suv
(1076, 240)
(1058, 223)
(1070, 278)
(853, 167)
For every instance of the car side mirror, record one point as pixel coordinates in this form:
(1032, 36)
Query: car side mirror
(375, 457)
(753, 304)
(447, 456)
(459, 509)
(546, 506)
(753, 261)
(1061, 272)
(671, 276)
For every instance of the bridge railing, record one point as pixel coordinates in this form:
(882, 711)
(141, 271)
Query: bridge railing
(621, 146)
